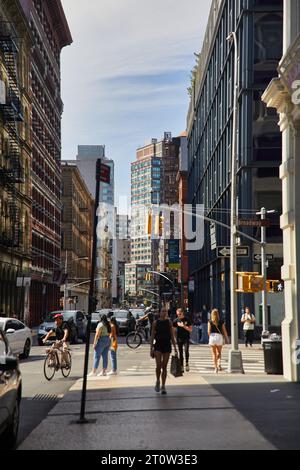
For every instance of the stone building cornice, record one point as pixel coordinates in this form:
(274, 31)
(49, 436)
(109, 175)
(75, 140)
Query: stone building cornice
(60, 23)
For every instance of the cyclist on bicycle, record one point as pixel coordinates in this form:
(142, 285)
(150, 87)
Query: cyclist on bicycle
(62, 333)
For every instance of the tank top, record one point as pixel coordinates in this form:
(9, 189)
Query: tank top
(163, 331)
(217, 329)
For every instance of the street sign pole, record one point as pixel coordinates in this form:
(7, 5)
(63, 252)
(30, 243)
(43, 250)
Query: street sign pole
(82, 419)
(235, 363)
(264, 270)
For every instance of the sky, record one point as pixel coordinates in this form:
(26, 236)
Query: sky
(125, 77)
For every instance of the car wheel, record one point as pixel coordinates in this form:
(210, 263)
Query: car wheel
(26, 350)
(11, 434)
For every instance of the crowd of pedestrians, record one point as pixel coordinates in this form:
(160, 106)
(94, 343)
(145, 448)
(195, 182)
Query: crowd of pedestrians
(166, 331)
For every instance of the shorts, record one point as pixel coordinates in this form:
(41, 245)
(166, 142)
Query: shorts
(163, 348)
(216, 339)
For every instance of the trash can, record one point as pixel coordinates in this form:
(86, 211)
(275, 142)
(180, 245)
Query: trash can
(272, 347)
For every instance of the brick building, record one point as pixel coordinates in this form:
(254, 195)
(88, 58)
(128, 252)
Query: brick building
(15, 159)
(50, 33)
(77, 231)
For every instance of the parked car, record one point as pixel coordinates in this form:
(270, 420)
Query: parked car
(121, 317)
(10, 395)
(96, 317)
(77, 324)
(19, 336)
(137, 312)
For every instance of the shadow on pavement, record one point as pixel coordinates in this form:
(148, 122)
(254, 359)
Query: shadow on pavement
(272, 408)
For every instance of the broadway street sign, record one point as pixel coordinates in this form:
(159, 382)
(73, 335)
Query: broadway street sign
(254, 223)
(241, 251)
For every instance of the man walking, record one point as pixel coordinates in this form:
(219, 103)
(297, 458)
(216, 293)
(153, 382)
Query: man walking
(183, 328)
(204, 323)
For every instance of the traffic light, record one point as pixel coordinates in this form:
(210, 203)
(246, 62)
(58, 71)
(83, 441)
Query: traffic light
(149, 223)
(159, 225)
(148, 277)
(249, 283)
(275, 286)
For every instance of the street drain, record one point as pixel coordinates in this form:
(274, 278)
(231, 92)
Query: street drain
(46, 397)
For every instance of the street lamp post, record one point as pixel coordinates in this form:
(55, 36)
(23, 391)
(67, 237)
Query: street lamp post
(235, 363)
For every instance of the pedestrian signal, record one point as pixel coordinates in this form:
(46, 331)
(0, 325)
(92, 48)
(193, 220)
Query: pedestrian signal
(275, 286)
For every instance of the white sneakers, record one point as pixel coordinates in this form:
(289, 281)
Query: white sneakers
(92, 374)
(102, 374)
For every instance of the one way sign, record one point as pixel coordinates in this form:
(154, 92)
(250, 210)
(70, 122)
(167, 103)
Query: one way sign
(241, 251)
(258, 257)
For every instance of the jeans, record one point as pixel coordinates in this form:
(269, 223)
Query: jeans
(186, 347)
(249, 337)
(102, 349)
(204, 339)
(113, 356)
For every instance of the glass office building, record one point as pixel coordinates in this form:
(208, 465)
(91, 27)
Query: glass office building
(259, 27)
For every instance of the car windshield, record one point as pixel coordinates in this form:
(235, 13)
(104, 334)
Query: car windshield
(136, 313)
(120, 314)
(67, 315)
(96, 316)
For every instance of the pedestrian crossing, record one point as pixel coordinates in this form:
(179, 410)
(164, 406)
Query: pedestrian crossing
(200, 361)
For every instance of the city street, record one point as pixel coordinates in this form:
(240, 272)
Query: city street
(198, 412)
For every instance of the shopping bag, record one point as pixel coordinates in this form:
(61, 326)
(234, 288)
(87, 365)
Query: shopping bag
(176, 367)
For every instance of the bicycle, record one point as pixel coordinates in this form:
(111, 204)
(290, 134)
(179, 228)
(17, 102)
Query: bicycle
(53, 362)
(136, 337)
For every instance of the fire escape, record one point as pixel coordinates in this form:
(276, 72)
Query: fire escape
(11, 172)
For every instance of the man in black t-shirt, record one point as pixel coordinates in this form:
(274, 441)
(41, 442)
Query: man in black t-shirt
(183, 328)
(62, 333)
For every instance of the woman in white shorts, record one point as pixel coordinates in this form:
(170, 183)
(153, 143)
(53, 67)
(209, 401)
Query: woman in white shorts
(217, 335)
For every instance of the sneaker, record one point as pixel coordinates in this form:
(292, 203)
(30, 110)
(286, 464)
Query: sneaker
(220, 368)
(102, 374)
(216, 370)
(113, 372)
(163, 391)
(92, 374)
(187, 368)
(157, 386)
(182, 369)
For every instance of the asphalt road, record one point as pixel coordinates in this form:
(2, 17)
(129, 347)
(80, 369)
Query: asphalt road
(39, 396)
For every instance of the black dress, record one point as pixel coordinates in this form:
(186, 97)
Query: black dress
(163, 337)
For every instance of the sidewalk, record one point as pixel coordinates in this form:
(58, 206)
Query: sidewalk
(215, 412)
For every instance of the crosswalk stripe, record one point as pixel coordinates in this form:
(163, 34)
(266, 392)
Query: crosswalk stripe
(200, 361)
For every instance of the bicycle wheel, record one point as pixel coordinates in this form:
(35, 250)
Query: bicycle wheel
(134, 340)
(67, 370)
(50, 366)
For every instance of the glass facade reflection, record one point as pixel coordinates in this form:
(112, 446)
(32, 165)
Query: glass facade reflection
(259, 26)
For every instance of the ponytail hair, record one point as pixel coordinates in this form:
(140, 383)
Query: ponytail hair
(215, 316)
(106, 323)
(115, 323)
